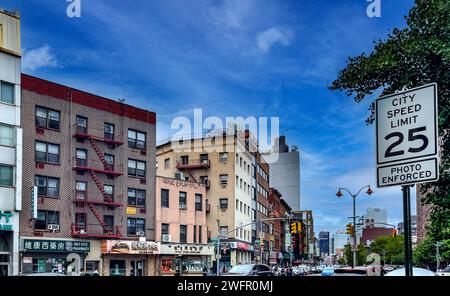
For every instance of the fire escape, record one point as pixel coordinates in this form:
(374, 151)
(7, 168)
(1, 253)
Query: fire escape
(189, 165)
(82, 201)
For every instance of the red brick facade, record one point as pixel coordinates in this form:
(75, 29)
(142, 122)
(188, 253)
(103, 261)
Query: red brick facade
(71, 103)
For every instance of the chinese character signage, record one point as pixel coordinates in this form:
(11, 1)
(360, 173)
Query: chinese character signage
(34, 245)
(180, 249)
(130, 247)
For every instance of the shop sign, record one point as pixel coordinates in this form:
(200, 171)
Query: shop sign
(130, 247)
(5, 217)
(187, 249)
(131, 211)
(27, 260)
(35, 245)
(242, 246)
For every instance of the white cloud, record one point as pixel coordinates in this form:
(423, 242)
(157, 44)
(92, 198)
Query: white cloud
(268, 38)
(37, 58)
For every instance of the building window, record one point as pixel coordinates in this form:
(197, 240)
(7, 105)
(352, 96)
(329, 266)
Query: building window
(45, 218)
(109, 131)
(237, 181)
(237, 204)
(80, 190)
(47, 118)
(223, 157)
(6, 92)
(223, 203)
(195, 234)
(136, 197)
(81, 125)
(184, 160)
(182, 199)
(200, 238)
(6, 175)
(223, 179)
(136, 139)
(109, 190)
(109, 162)
(45, 152)
(6, 135)
(80, 221)
(81, 157)
(135, 226)
(204, 158)
(48, 187)
(198, 202)
(109, 224)
(165, 229)
(117, 268)
(224, 231)
(240, 206)
(164, 198)
(183, 234)
(204, 180)
(136, 168)
(167, 163)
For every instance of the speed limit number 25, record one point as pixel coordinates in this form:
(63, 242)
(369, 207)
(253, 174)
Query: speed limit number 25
(407, 125)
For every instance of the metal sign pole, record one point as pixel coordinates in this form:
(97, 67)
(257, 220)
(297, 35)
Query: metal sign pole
(407, 229)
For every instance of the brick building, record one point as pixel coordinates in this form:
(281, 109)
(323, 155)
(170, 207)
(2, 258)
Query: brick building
(89, 186)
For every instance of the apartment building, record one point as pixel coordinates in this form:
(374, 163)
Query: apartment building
(89, 187)
(221, 161)
(181, 227)
(278, 225)
(10, 142)
(265, 234)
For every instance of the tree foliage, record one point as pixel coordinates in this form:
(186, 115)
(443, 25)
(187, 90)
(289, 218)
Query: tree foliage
(390, 249)
(410, 57)
(361, 255)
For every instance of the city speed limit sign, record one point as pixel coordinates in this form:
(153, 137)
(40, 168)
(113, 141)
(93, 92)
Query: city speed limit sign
(406, 127)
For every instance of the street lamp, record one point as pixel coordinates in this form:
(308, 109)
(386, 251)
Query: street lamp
(339, 194)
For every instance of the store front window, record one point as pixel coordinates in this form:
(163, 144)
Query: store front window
(117, 268)
(137, 268)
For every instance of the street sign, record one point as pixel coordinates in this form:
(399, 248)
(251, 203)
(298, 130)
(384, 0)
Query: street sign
(407, 141)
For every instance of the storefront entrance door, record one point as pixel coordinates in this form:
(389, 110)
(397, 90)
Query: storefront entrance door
(4, 263)
(137, 268)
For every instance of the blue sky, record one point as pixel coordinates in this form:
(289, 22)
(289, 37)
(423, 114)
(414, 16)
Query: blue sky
(230, 58)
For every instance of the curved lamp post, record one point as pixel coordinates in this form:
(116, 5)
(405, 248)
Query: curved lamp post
(339, 194)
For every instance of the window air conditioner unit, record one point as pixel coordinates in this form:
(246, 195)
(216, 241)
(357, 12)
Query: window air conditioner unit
(140, 233)
(179, 176)
(54, 227)
(183, 207)
(82, 231)
(166, 238)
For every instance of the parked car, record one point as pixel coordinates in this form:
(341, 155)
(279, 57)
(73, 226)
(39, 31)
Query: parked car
(250, 270)
(416, 272)
(43, 274)
(328, 271)
(444, 272)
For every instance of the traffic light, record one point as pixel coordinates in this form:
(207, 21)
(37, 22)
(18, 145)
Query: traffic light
(294, 228)
(394, 232)
(299, 227)
(350, 229)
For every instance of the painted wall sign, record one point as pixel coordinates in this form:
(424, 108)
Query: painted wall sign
(181, 183)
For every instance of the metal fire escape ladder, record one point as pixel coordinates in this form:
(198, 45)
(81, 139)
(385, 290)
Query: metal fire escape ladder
(190, 174)
(99, 185)
(98, 151)
(96, 214)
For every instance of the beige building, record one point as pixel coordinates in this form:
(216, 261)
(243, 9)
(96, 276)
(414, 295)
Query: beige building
(222, 163)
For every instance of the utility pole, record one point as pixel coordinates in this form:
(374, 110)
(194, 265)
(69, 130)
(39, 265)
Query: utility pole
(438, 256)
(407, 225)
(218, 249)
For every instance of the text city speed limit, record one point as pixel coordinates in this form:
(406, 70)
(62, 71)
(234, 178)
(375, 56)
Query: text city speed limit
(406, 134)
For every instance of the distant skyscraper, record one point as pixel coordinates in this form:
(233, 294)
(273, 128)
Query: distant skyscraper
(340, 239)
(376, 217)
(324, 243)
(285, 171)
